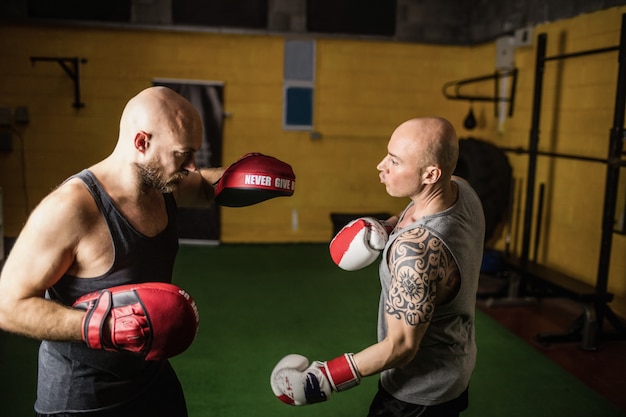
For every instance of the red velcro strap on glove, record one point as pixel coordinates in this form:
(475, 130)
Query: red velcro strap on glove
(95, 318)
(254, 178)
(132, 329)
(342, 372)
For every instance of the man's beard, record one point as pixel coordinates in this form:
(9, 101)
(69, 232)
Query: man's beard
(151, 177)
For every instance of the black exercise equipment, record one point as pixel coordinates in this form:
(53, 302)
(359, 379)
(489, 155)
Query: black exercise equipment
(588, 328)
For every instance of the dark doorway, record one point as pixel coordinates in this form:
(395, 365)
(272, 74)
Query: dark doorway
(202, 225)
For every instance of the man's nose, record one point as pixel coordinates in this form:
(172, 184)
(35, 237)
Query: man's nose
(190, 164)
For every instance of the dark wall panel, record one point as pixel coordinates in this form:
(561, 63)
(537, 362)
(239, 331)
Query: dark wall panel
(356, 17)
(251, 14)
(108, 11)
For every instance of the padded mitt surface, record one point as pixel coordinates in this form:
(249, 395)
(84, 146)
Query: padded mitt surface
(171, 312)
(254, 178)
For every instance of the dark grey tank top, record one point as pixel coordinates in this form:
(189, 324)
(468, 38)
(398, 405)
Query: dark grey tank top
(73, 377)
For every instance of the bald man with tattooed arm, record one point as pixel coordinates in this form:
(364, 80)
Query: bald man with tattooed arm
(426, 350)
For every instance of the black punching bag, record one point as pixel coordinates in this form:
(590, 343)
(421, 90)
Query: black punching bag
(470, 120)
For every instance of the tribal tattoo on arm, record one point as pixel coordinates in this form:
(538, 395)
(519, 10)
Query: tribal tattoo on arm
(418, 262)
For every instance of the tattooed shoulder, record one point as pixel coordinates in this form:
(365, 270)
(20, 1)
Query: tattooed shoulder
(418, 261)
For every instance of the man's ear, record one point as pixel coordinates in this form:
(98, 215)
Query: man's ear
(142, 141)
(432, 174)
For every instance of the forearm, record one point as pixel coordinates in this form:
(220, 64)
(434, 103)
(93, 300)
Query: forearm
(197, 190)
(380, 356)
(211, 175)
(41, 319)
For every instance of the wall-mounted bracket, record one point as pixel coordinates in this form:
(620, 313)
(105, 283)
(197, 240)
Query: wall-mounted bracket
(496, 98)
(72, 68)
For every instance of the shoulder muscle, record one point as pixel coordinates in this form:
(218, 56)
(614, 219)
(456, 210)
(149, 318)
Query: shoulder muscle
(47, 244)
(418, 261)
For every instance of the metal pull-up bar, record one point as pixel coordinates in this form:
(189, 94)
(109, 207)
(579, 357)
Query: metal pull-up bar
(495, 98)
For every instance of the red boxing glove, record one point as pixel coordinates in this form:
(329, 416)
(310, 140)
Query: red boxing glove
(252, 179)
(154, 319)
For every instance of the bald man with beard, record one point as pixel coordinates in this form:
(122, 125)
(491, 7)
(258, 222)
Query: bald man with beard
(426, 351)
(111, 224)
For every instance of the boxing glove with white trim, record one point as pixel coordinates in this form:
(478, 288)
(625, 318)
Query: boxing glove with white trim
(359, 243)
(294, 382)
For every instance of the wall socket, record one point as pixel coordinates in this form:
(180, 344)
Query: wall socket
(524, 37)
(505, 56)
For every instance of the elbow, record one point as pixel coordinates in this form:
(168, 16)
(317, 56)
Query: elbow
(5, 313)
(403, 352)
(405, 356)
(13, 310)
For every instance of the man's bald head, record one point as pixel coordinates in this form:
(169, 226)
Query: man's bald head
(160, 132)
(434, 138)
(160, 112)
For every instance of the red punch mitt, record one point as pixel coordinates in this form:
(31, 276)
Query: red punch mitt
(254, 178)
(154, 319)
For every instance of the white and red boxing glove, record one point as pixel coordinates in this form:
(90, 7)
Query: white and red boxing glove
(359, 243)
(156, 320)
(294, 382)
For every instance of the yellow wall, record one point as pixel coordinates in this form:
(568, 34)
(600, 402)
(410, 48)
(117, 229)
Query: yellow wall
(576, 118)
(363, 89)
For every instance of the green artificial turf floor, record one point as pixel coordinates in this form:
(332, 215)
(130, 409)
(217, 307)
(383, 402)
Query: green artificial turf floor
(258, 303)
